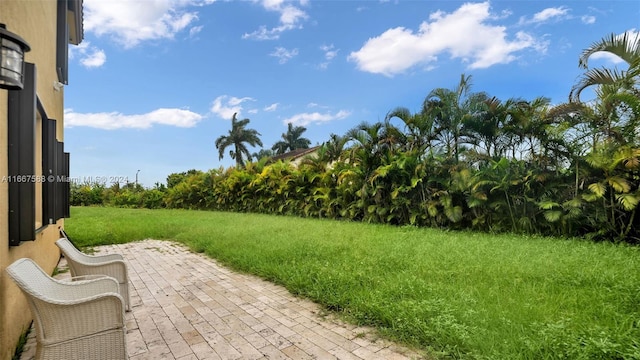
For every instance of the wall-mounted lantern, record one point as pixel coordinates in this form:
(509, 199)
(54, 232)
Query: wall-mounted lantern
(12, 49)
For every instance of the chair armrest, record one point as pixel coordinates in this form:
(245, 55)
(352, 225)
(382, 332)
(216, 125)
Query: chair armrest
(93, 259)
(83, 277)
(114, 269)
(64, 291)
(66, 320)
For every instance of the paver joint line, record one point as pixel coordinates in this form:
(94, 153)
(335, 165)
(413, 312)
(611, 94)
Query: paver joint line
(187, 306)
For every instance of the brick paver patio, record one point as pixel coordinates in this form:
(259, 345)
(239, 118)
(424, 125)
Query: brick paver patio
(186, 306)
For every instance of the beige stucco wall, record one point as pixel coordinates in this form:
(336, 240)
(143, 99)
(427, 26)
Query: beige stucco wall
(34, 21)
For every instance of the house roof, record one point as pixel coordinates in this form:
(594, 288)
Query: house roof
(295, 154)
(74, 20)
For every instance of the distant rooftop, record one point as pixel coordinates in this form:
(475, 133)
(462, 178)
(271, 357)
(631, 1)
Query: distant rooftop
(295, 154)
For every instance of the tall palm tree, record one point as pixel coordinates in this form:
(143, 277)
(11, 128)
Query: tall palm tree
(334, 147)
(238, 137)
(527, 125)
(486, 130)
(292, 140)
(449, 110)
(419, 128)
(367, 147)
(625, 46)
(263, 153)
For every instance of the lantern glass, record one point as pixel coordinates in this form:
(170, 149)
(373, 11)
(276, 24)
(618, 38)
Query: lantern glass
(12, 50)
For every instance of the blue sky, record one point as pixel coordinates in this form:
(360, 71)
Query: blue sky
(155, 82)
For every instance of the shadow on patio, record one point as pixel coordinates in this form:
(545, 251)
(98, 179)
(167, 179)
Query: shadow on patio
(186, 306)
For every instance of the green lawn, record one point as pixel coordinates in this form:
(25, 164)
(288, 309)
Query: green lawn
(458, 294)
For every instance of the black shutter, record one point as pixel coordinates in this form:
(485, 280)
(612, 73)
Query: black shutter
(48, 170)
(66, 205)
(60, 183)
(62, 41)
(21, 152)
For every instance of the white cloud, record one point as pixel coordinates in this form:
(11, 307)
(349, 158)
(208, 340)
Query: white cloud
(90, 56)
(95, 59)
(116, 120)
(588, 19)
(283, 54)
(267, 34)
(329, 54)
(235, 101)
(546, 15)
(272, 107)
(290, 18)
(225, 106)
(304, 119)
(634, 36)
(130, 22)
(195, 30)
(290, 15)
(464, 34)
(608, 57)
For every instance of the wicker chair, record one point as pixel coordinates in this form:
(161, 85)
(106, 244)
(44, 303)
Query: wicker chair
(112, 265)
(72, 320)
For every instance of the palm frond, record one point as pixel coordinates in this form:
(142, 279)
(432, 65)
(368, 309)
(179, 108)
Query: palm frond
(626, 46)
(599, 76)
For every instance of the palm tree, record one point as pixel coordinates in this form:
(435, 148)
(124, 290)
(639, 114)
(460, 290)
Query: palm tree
(263, 153)
(449, 110)
(419, 128)
(526, 127)
(368, 145)
(334, 147)
(238, 136)
(625, 46)
(486, 129)
(292, 140)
